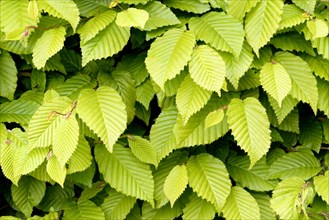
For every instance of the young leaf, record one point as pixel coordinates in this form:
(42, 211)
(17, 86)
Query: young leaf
(143, 149)
(165, 212)
(103, 111)
(81, 158)
(190, 98)
(321, 44)
(238, 8)
(288, 104)
(8, 75)
(145, 93)
(264, 204)
(48, 45)
(307, 5)
(262, 22)
(175, 183)
(193, 6)
(55, 170)
(132, 17)
(291, 16)
(198, 208)
(250, 127)
(214, 118)
(240, 205)
(321, 184)
(319, 65)
(169, 54)
(84, 209)
(318, 28)
(209, 75)
(208, 177)
(323, 89)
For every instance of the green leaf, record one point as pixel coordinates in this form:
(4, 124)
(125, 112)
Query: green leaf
(106, 117)
(93, 26)
(165, 212)
(132, 17)
(264, 204)
(214, 118)
(321, 44)
(209, 75)
(319, 65)
(193, 6)
(288, 104)
(275, 81)
(81, 157)
(318, 28)
(208, 177)
(8, 76)
(28, 194)
(48, 45)
(65, 9)
(255, 179)
(135, 1)
(240, 205)
(72, 86)
(199, 208)
(238, 8)
(292, 16)
(159, 16)
(285, 200)
(215, 29)
(262, 22)
(55, 170)
(303, 82)
(106, 43)
(311, 135)
(250, 127)
(143, 149)
(32, 9)
(323, 89)
(321, 184)
(307, 5)
(33, 160)
(145, 93)
(84, 210)
(190, 98)
(130, 168)
(117, 205)
(169, 54)
(302, 164)
(175, 183)
(162, 133)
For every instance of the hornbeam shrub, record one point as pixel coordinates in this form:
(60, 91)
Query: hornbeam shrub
(173, 109)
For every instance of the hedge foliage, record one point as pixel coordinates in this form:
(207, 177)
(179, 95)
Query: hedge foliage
(147, 109)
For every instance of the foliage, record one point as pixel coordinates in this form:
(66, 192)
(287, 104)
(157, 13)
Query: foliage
(147, 109)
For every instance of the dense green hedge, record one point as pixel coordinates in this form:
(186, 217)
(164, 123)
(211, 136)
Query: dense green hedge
(141, 109)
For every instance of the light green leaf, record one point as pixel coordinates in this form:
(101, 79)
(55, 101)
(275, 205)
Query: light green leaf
(321, 184)
(107, 117)
(190, 98)
(117, 205)
(323, 89)
(81, 157)
(303, 82)
(238, 8)
(322, 44)
(8, 75)
(165, 212)
(159, 16)
(285, 200)
(288, 104)
(106, 43)
(250, 127)
(198, 208)
(319, 65)
(264, 204)
(215, 29)
(93, 26)
(55, 170)
(33, 160)
(28, 194)
(240, 205)
(65, 9)
(307, 5)
(275, 81)
(208, 177)
(135, 1)
(143, 149)
(292, 16)
(84, 177)
(162, 133)
(262, 22)
(84, 209)
(214, 118)
(33, 10)
(48, 45)
(255, 179)
(145, 93)
(318, 28)
(169, 54)
(132, 17)
(193, 6)
(49, 216)
(72, 86)
(207, 68)
(130, 168)
(175, 183)
(295, 164)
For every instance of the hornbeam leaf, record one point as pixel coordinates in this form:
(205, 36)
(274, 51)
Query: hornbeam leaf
(285, 200)
(33, 160)
(303, 81)
(81, 158)
(262, 22)
(55, 170)
(291, 16)
(264, 204)
(307, 5)
(8, 75)
(311, 134)
(132, 17)
(198, 208)
(319, 65)
(240, 205)
(216, 29)
(190, 98)
(169, 54)
(106, 43)
(131, 170)
(175, 183)
(208, 177)
(165, 212)
(288, 104)
(103, 111)
(135, 1)
(48, 45)
(84, 209)
(214, 117)
(193, 6)
(28, 194)
(318, 28)
(143, 149)
(321, 184)
(65, 9)
(207, 68)
(275, 81)
(238, 8)
(322, 44)
(323, 89)
(250, 127)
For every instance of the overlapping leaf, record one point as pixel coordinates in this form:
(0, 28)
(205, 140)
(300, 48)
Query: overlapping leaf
(199, 208)
(8, 76)
(143, 149)
(321, 186)
(291, 16)
(132, 17)
(238, 8)
(193, 6)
